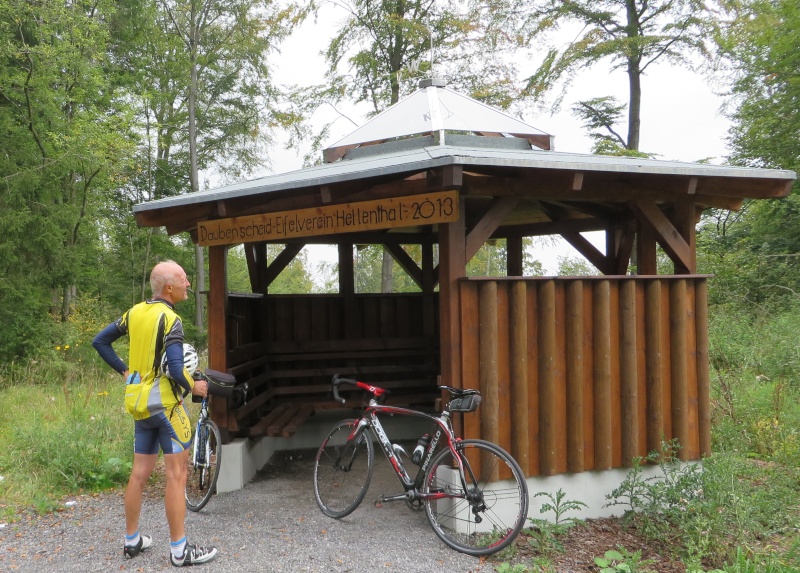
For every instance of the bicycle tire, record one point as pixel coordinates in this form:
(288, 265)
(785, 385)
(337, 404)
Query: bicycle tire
(339, 487)
(201, 479)
(497, 512)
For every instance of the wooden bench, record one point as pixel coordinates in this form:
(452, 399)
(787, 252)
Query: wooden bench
(289, 381)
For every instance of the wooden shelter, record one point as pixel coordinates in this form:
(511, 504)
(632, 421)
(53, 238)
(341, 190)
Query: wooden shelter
(578, 373)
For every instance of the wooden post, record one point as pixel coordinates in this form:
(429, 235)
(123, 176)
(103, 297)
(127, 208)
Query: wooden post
(547, 379)
(678, 365)
(452, 267)
(703, 380)
(518, 319)
(684, 221)
(655, 410)
(602, 376)
(629, 385)
(514, 256)
(428, 303)
(347, 288)
(490, 415)
(574, 363)
(218, 330)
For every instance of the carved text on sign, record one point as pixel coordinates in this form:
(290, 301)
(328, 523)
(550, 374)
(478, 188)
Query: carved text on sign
(425, 209)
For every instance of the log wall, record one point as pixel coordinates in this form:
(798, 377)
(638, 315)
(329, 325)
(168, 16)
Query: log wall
(586, 373)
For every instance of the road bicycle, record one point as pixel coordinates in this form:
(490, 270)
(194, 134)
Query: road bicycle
(206, 456)
(473, 492)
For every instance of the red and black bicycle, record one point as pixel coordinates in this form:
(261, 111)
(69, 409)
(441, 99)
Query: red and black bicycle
(473, 492)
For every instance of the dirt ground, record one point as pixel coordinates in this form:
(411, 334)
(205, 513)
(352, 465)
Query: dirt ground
(592, 538)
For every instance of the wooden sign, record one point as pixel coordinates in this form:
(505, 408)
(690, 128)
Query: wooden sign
(426, 209)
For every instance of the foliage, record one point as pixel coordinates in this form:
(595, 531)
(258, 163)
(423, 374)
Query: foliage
(544, 533)
(622, 560)
(65, 431)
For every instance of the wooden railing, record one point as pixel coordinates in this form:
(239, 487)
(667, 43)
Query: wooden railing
(587, 373)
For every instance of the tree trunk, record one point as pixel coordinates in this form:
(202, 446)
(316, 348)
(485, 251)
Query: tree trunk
(634, 78)
(199, 287)
(387, 284)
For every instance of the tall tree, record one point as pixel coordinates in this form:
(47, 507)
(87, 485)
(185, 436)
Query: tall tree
(204, 91)
(64, 141)
(760, 39)
(631, 35)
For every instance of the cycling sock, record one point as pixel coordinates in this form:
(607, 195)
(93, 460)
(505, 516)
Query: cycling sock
(132, 540)
(178, 548)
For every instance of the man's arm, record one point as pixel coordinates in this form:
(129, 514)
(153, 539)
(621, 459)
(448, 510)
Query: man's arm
(175, 363)
(103, 344)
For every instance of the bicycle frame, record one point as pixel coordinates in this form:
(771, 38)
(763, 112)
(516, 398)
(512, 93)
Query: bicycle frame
(200, 436)
(444, 429)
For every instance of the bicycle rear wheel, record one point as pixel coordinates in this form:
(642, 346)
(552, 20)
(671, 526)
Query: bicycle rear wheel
(343, 469)
(203, 471)
(489, 513)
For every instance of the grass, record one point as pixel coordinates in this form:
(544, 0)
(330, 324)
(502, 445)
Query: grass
(64, 431)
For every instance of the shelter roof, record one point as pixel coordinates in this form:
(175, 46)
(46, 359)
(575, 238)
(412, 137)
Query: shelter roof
(481, 168)
(435, 109)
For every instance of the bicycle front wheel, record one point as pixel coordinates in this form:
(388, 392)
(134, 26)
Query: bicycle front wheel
(343, 469)
(203, 468)
(485, 512)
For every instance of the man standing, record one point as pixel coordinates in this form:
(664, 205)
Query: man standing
(160, 418)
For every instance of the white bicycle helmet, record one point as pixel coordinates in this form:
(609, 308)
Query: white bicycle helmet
(190, 360)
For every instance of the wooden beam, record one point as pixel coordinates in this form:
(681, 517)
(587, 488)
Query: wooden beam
(488, 223)
(588, 250)
(287, 255)
(405, 261)
(666, 234)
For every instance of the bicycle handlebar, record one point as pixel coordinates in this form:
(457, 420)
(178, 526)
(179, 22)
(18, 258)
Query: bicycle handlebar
(374, 390)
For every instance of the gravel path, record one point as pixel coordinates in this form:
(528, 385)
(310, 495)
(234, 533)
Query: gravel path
(273, 524)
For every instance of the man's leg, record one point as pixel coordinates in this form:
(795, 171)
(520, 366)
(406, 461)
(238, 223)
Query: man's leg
(143, 465)
(175, 497)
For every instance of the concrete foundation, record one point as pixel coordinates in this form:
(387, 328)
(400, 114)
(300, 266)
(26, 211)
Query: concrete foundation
(243, 457)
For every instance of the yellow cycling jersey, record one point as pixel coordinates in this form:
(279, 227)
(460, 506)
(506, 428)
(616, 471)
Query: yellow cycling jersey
(151, 326)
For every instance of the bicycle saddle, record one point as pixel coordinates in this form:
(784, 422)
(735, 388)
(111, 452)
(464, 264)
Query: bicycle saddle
(459, 392)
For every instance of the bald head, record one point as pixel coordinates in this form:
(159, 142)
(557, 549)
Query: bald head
(168, 281)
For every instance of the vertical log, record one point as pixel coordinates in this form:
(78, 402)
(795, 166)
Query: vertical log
(574, 363)
(469, 426)
(518, 319)
(655, 416)
(488, 361)
(629, 383)
(547, 379)
(678, 359)
(602, 376)
(218, 331)
(428, 296)
(452, 267)
(534, 358)
(347, 288)
(703, 380)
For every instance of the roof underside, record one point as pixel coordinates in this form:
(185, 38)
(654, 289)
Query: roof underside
(586, 189)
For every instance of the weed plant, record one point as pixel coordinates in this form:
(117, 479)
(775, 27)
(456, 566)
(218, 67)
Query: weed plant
(64, 431)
